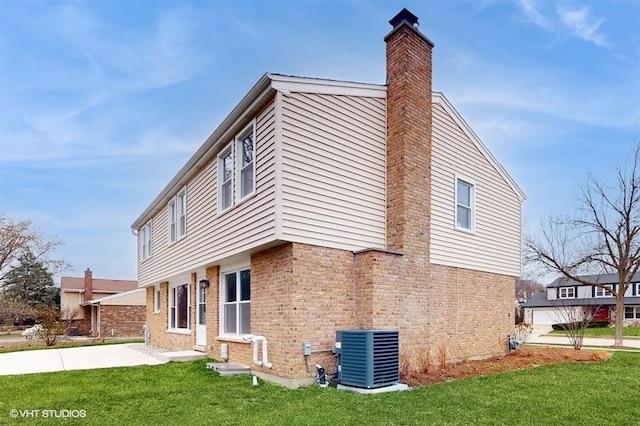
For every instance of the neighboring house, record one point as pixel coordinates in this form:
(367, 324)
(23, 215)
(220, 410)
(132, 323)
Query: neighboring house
(543, 308)
(322, 205)
(104, 307)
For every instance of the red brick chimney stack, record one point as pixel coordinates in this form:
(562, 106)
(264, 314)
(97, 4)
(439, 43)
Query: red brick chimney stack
(408, 136)
(88, 285)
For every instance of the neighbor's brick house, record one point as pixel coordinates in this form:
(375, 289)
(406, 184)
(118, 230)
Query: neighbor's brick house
(104, 307)
(321, 205)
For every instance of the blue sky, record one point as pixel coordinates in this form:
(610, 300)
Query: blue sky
(102, 102)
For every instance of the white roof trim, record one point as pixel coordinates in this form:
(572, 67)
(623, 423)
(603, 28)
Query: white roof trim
(113, 296)
(287, 84)
(440, 99)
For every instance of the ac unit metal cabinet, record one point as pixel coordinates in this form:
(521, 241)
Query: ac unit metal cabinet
(368, 358)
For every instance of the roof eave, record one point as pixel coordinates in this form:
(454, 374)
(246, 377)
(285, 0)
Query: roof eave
(261, 90)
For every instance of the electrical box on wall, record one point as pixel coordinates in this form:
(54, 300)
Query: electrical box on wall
(306, 348)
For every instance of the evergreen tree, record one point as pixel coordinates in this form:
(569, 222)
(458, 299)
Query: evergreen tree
(30, 282)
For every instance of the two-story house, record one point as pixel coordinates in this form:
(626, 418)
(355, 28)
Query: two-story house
(547, 307)
(322, 205)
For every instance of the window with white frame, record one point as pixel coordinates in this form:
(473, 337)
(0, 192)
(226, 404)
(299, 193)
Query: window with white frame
(146, 241)
(171, 221)
(236, 302)
(464, 205)
(567, 292)
(177, 216)
(180, 312)
(156, 299)
(225, 173)
(181, 213)
(245, 156)
(637, 292)
(601, 292)
(632, 312)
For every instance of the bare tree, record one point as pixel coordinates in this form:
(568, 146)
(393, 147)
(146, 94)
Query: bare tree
(17, 237)
(14, 309)
(574, 320)
(603, 236)
(525, 288)
(55, 323)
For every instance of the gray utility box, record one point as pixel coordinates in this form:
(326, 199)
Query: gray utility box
(368, 358)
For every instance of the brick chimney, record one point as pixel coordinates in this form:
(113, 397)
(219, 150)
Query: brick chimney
(408, 137)
(88, 285)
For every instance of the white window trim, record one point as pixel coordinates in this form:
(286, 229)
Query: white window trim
(173, 208)
(147, 237)
(221, 292)
(156, 299)
(603, 291)
(637, 289)
(172, 220)
(238, 163)
(229, 149)
(635, 312)
(180, 234)
(560, 296)
(171, 301)
(472, 207)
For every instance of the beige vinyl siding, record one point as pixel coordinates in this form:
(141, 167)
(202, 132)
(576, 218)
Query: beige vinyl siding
(135, 298)
(333, 170)
(212, 236)
(495, 244)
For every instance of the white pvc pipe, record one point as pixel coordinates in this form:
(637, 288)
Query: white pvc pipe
(265, 357)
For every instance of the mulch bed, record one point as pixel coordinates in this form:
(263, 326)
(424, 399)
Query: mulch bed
(525, 358)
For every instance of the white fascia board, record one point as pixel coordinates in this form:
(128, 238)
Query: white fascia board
(287, 84)
(440, 99)
(113, 296)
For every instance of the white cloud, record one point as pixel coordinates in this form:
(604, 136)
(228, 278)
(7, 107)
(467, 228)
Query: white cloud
(530, 10)
(583, 25)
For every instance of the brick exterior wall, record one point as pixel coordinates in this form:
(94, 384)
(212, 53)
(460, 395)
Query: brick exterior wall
(122, 320)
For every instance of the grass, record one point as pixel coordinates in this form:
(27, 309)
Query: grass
(609, 332)
(37, 344)
(187, 393)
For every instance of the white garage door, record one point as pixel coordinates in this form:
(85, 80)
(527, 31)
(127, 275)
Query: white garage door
(543, 316)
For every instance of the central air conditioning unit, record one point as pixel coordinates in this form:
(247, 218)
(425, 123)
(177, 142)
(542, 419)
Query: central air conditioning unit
(368, 358)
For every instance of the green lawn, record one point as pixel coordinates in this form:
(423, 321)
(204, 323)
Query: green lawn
(188, 394)
(610, 332)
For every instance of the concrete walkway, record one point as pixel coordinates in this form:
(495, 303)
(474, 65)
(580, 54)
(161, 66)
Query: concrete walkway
(79, 358)
(540, 336)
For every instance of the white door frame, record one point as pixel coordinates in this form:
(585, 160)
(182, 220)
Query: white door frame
(201, 313)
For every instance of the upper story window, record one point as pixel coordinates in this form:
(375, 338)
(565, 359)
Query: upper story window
(146, 241)
(177, 216)
(637, 289)
(601, 292)
(465, 194)
(246, 170)
(236, 302)
(171, 214)
(237, 169)
(181, 206)
(225, 171)
(567, 292)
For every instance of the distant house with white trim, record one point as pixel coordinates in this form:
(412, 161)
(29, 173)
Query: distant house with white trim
(542, 308)
(321, 205)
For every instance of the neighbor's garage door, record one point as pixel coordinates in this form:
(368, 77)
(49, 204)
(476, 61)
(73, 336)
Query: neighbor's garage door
(544, 317)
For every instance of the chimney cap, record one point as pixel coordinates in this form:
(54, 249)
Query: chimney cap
(404, 15)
